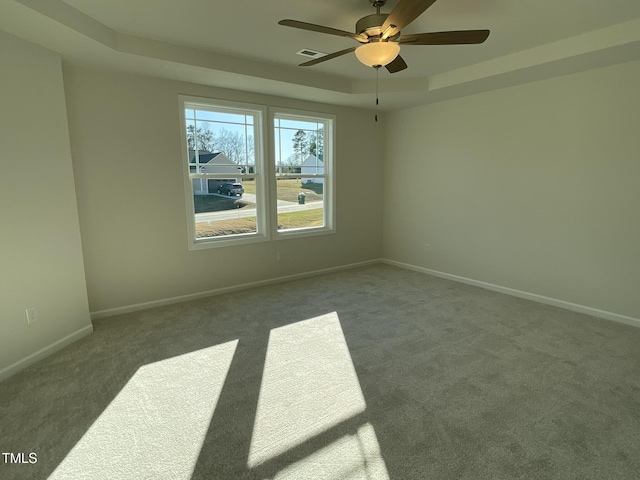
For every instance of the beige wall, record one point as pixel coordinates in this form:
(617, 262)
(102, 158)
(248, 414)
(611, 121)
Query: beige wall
(533, 187)
(40, 251)
(125, 141)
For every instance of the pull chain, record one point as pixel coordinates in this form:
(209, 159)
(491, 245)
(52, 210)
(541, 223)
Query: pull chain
(377, 67)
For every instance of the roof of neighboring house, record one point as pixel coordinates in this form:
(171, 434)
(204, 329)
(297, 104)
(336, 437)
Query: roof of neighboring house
(207, 157)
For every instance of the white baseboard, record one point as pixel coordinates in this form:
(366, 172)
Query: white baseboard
(518, 293)
(219, 291)
(45, 352)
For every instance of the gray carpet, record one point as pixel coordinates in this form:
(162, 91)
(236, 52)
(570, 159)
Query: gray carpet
(370, 373)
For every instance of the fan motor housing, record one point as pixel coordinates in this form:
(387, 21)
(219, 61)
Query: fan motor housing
(370, 25)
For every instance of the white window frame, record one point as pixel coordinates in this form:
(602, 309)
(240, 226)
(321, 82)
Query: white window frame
(261, 172)
(328, 174)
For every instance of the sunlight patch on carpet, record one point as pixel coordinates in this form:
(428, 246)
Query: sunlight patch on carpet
(352, 457)
(156, 425)
(309, 385)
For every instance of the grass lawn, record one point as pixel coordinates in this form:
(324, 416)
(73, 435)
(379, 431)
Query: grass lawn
(226, 227)
(249, 186)
(302, 219)
(212, 203)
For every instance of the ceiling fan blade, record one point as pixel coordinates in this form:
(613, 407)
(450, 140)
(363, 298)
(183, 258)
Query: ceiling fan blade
(322, 29)
(445, 38)
(397, 65)
(405, 12)
(315, 61)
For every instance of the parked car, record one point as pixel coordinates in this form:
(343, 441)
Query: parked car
(231, 189)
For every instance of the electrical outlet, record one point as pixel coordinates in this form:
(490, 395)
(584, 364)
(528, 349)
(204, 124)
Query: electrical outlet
(32, 314)
(427, 248)
(279, 256)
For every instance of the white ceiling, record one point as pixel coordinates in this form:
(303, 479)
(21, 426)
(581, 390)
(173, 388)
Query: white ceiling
(238, 44)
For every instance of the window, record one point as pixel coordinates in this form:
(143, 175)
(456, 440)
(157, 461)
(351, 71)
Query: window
(303, 171)
(224, 172)
(234, 193)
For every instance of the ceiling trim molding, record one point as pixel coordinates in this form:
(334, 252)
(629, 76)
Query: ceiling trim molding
(82, 24)
(145, 47)
(583, 46)
(607, 46)
(74, 19)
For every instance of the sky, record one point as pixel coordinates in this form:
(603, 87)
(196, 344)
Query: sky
(285, 128)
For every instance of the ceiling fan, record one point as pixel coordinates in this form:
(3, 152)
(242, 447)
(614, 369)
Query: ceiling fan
(380, 35)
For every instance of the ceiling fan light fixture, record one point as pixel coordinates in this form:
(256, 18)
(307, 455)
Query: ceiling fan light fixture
(377, 53)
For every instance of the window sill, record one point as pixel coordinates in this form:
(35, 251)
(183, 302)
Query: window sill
(231, 241)
(303, 232)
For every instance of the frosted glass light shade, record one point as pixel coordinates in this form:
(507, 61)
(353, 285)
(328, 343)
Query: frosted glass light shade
(377, 53)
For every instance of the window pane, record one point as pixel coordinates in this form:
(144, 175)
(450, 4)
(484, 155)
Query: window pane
(300, 202)
(224, 206)
(301, 176)
(220, 116)
(222, 139)
(299, 124)
(298, 143)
